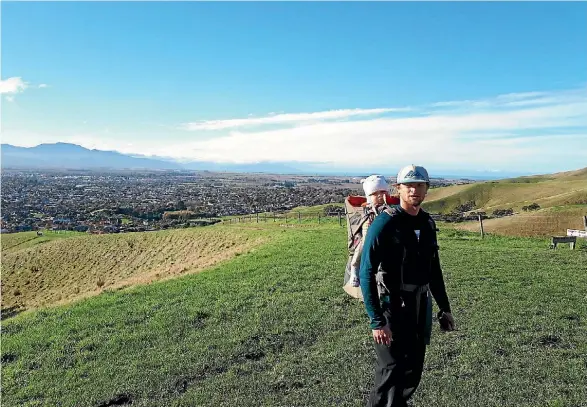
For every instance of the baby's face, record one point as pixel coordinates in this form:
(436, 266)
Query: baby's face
(377, 197)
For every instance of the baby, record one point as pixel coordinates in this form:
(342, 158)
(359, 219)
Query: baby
(375, 188)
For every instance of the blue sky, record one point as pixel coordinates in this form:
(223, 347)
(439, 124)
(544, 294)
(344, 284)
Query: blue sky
(476, 86)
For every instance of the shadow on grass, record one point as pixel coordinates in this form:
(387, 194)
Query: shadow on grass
(10, 312)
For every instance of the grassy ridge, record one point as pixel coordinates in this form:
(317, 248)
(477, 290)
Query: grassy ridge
(274, 328)
(23, 240)
(569, 188)
(62, 270)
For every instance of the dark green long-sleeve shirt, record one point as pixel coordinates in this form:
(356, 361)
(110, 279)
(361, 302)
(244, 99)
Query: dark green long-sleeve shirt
(384, 245)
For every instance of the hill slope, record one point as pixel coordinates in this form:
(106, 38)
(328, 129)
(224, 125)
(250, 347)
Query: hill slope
(66, 269)
(565, 188)
(274, 327)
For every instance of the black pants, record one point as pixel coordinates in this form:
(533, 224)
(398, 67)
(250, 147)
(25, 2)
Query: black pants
(398, 371)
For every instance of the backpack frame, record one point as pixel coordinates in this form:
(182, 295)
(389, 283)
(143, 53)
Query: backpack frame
(356, 215)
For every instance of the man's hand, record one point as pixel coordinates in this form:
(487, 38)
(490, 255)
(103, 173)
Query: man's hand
(382, 336)
(447, 322)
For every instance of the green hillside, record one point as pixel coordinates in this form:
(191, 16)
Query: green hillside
(566, 188)
(273, 327)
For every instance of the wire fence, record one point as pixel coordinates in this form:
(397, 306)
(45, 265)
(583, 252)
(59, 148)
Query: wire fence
(291, 218)
(545, 225)
(548, 224)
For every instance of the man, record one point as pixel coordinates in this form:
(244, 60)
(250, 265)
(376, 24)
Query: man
(402, 240)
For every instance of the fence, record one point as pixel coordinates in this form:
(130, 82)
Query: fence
(290, 218)
(545, 225)
(548, 224)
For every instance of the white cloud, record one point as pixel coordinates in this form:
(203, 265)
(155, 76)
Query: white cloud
(287, 118)
(457, 133)
(513, 100)
(522, 131)
(15, 85)
(12, 85)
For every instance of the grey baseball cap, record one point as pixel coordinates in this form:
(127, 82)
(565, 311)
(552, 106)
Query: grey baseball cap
(411, 174)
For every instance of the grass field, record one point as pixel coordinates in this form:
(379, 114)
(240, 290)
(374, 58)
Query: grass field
(274, 328)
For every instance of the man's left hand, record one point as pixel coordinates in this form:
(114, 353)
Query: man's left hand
(448, 322)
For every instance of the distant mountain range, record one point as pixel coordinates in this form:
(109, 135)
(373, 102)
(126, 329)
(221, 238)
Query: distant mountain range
(72, 156)
(75, 157)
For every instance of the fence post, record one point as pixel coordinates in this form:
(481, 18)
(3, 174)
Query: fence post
(318, 217)
(481, 224)
(339, 219)
(585, 222)
(286, 218)
(274, 219)
(300, 218)
(257, 217)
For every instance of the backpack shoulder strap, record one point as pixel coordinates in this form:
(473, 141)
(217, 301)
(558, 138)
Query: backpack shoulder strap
(431, 222)
(434, 229)
(391, 211)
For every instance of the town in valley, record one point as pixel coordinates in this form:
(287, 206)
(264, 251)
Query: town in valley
(115, 201)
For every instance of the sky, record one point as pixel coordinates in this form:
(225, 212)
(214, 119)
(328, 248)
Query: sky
(466, 86)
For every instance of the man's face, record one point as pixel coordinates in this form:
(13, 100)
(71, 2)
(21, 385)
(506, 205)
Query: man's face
(413, 194)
